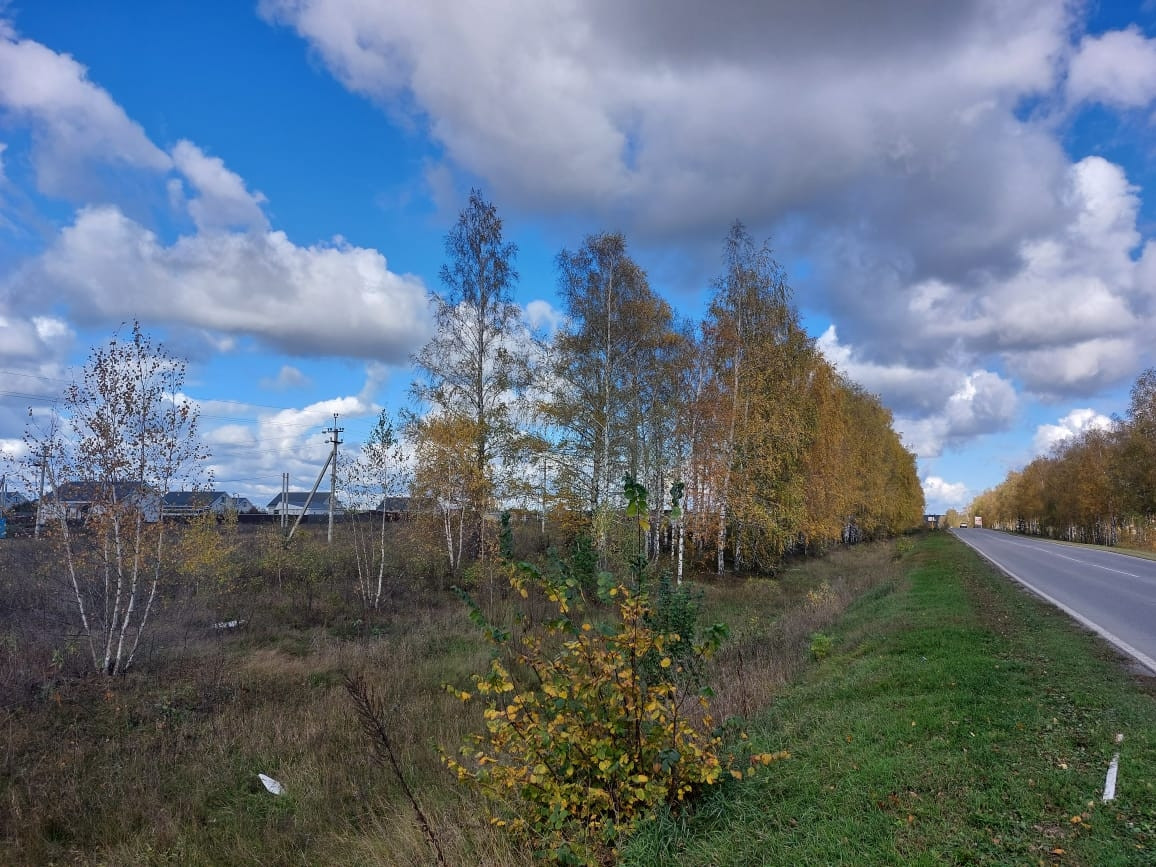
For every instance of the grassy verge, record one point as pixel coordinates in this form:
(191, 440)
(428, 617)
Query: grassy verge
(954, 721)
(959, 721)
(160, 767)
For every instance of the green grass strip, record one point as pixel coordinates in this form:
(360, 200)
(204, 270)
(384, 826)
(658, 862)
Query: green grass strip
(958, 721)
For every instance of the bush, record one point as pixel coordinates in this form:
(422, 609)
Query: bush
(821, 645)
(673, 610)
(587, 744)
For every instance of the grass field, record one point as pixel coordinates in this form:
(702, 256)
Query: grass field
(951, 720)
(160, 766)
(959, 721)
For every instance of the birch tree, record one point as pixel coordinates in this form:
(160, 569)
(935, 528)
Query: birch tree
(476, 368)
(375, 475)
(613, 379)
(750, 309)
(600, 287)
(126, 438)
(446, 479)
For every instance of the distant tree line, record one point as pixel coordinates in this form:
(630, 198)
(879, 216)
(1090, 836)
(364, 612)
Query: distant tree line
(1098, 486)
(739, 417)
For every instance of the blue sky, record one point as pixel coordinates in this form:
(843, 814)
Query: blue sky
(959, 192)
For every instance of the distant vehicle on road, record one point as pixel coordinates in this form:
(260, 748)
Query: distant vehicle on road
(963, 525)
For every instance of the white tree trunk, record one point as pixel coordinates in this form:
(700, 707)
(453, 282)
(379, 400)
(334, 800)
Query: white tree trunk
(381, 561)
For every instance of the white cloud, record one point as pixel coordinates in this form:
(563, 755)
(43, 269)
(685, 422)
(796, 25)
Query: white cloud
(326, 299)
(222, 201)
(288, 377)
(935, 407)
(945, 227)
(231, 435)
(1082, 367)
(1117, 68)
(903, 388)
(683, 115)
(14, 450)
(252, 445)
(289, 440)
(1074, 423)
(983, 403)
(544, 316)
(941, 495)
(77, 123)
(1069, 315)
(33, 352)
(34, 345)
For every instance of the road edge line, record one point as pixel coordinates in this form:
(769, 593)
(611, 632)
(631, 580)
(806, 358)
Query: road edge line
(1119, 643)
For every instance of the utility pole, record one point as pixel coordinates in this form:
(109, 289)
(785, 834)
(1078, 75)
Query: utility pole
(336, 431)
(331, 459)
(284, 502)
(40, 495)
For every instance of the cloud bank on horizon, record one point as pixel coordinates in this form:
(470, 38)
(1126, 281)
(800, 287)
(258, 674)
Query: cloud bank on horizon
(924, 162)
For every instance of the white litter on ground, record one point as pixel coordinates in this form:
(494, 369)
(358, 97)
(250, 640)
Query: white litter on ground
(271, 784)
(1113, 770)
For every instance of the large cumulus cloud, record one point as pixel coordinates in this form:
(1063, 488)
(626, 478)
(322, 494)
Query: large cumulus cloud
(910, 153)
(232, 274)
(325, 299)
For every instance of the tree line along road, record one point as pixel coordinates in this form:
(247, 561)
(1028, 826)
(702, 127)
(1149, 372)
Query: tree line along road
(1112, 594)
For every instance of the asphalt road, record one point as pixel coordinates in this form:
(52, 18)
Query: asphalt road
(1112, 594)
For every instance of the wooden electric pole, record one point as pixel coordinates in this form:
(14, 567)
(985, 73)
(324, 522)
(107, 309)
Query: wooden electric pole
(330, 461)
(336, 431)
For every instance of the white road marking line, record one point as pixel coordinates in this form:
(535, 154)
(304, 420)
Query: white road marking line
(1098, 566)
(1047, 549)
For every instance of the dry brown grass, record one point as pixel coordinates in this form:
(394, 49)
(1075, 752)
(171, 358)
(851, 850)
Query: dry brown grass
(772, 621)
(159, 767)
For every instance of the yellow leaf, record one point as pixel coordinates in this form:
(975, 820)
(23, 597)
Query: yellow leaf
(665, 662)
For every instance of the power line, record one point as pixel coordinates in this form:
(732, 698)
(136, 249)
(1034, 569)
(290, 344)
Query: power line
(23, 396)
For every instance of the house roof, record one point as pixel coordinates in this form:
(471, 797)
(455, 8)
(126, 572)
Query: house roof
(298, 498)
(394, 504)
(192, 499)
(92, 492)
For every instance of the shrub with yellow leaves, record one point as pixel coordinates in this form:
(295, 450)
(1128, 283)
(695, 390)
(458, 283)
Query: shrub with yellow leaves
(597, 735)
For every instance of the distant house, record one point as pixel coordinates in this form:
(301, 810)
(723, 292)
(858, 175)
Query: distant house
(78, 500)
(11, 499)
(295, 504)
(243, 505)
(188, 503)
(395, 508)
